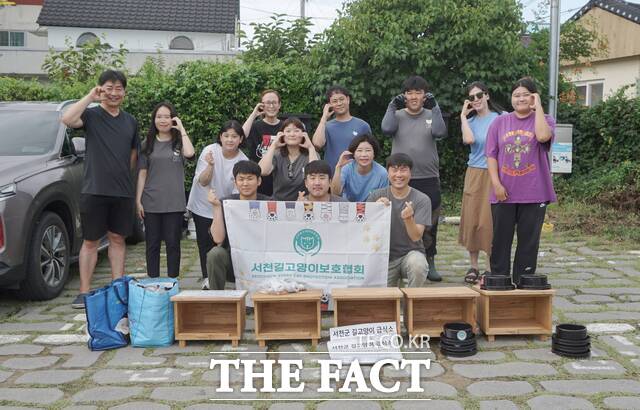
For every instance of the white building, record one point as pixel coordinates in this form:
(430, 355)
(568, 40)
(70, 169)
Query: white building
(178, 30)
(619, 22)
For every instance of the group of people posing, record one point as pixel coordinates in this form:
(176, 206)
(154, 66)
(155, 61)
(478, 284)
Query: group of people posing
(507, 184)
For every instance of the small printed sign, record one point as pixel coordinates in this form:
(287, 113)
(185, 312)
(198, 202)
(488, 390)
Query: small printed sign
(561, 158)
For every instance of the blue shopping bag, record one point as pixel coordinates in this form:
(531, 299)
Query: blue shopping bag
(106, 310)
(151, 311)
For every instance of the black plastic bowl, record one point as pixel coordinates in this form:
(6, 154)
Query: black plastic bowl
(533, 282)
(569, 331)
(458, 331)
(570, 342)
(497, 282)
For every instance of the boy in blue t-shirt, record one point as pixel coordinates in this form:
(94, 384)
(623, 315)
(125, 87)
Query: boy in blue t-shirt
(337, 133)
(355, 180)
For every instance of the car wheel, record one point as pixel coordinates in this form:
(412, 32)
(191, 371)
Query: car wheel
(48, 259)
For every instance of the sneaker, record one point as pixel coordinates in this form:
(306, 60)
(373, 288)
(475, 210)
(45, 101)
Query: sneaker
(434, 276)
(205, 284)
(78, 302)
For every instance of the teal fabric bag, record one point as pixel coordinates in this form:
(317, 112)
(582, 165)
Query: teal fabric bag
(151, 311)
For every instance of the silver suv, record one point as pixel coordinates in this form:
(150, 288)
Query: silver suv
(41, 169)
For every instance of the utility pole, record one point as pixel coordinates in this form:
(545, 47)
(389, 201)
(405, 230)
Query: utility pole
(302, 11)
(554, 57)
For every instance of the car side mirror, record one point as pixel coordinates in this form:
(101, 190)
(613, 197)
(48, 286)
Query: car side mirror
(78, 146)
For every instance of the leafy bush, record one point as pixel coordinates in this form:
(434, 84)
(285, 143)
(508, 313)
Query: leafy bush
(616, 186)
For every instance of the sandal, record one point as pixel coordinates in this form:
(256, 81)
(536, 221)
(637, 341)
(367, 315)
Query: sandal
(472, 276)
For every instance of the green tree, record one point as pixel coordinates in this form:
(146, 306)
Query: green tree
(287, 40)
(83, 63)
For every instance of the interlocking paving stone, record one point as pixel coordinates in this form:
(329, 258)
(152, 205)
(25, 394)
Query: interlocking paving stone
(498, 405)
(6, 339)
(636, 362)
(219, 407)
(106, 394)
(4, 375)
(287, 406)
(573, 387)
(630, 298)
(499, 388)
(505, 341)
(29, 363)
(544, 355)
(610, 315)
(352, 405)
(565, 292)
(624, 306)
(480, 357)
(133, 357)
(35, 396)
(193, 361)
(609, 328)
(478, 371)
(621, 344)
(194, 394)
(141, 405)
(592, 298)
(559, 402)
(564, 304)
(614, 281)
(159, 375)
(431, 405)
(192, 347)
(602, 367)
(622, 402)
(612, 291)
(31, 327)
(81, 357)
(50, 377)
(81, 407)
(20, 349)
(234, 376)
(61, 339)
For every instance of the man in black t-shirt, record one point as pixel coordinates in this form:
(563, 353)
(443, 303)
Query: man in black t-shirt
(262, 131)
(246, 175)
(106, 202)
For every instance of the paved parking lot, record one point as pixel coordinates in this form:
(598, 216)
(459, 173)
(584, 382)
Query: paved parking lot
(45, 363)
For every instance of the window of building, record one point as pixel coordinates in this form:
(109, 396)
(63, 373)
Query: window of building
(86, 38)
(11, 39)
(590, 94)
(181, 43)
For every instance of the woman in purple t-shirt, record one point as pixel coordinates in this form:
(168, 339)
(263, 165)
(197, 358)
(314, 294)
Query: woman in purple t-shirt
(517, 157)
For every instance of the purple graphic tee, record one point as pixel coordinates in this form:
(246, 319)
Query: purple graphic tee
(523, 162)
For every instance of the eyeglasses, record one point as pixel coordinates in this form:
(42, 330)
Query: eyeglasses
(290, 170)
(476, 96)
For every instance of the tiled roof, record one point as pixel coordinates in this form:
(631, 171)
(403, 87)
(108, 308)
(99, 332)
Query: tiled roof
(624, 9)
(204, 16)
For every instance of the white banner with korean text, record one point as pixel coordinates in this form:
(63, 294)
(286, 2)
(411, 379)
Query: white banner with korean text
(322, 245)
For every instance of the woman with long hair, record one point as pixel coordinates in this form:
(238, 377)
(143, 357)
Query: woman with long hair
(214, 171)
(160, 195)
(517, 152)
(286, 158)
(475, 233)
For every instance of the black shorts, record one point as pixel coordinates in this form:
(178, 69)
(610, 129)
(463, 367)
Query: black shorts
(100, 214)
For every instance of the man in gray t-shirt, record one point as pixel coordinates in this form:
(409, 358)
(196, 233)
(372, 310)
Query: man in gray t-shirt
(410, 216)
(414, 121)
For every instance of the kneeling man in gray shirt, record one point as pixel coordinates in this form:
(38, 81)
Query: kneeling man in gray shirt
(410, 215)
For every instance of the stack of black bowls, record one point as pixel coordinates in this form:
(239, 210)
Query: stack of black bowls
(571, 340)
(534, 282)
(497, 282)
(458, 340)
